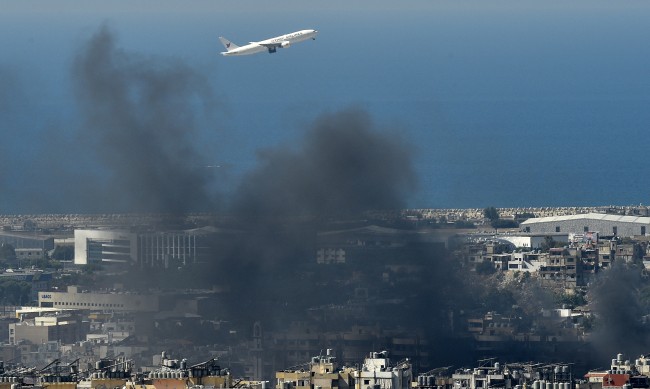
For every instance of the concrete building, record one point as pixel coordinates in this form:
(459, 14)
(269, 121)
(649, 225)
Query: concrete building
(492, 374)
(378, 373)
(95, 246)
(27, 240)
(323, 372)
(561, 269)
(30, 254)
(151, 249)
(604, 224)
(43, 329)
(74, 299)
(172, 248)
(533, 241)
(330, 255)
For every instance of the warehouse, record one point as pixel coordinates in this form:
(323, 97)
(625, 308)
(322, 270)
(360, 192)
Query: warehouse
(606, 225)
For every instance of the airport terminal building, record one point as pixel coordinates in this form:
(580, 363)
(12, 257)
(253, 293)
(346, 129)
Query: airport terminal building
(605, 224)
(145, 249)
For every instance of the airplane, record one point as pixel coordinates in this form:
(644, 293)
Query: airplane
(270, 45)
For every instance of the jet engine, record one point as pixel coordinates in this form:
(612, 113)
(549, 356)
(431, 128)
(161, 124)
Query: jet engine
(285, 44)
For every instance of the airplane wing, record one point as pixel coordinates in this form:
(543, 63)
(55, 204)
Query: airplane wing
(268, 45)
(273, 46)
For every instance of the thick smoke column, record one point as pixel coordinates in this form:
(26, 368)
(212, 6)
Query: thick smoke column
(615, 302)
(140, 118)
(344, 167)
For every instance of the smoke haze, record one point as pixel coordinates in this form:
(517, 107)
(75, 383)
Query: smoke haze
(140, 119)
(615, 302)
(343, 167)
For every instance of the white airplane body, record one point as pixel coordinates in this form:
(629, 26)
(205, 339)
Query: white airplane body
(270, 45)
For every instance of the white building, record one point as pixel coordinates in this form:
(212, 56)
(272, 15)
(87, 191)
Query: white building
(377, 373)
(93, 246)
(604, 224)
(74, 299)
(533, 241)
(152, 249)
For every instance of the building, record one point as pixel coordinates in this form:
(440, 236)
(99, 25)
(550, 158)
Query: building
(604, 224)
(43, 329)
(330, 255)
(27, 240)
(94, 246)
(149, 249)
(173, 248)
(74, 299)
(30, 254)
(561, 269)
(533, 241)
(622, 374)
(491, 374)
(378, 373)
(323, 372)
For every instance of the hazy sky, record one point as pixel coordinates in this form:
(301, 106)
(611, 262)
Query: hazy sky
(505, 103)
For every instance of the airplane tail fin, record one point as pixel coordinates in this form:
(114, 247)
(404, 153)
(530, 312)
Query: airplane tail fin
(227, 44)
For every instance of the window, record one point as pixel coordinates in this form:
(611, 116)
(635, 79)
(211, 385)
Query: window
(642, 230)
(614, 230)
(557, 228)
(527, 229)
(586, 229)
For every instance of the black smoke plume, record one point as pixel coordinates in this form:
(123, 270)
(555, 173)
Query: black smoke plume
(140, 120)
(614, 300)
(344, 167)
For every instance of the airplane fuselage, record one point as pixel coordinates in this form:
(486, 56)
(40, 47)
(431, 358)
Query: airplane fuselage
(270, 45)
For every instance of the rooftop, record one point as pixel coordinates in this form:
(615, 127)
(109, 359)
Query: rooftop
(590, 216)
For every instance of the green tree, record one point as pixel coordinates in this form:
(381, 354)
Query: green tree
(15, 292)
(571, 300)
(491, 213)
(7, 251)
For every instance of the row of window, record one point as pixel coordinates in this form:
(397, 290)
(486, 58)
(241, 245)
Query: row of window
(614, 229)
(89, 305)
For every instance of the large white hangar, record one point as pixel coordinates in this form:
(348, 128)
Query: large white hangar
(604, 224)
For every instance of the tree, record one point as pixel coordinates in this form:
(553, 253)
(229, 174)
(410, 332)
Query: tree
(15, 292)
(7, 251)
(491, 213)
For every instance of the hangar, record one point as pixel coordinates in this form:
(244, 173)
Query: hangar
(605, 224)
